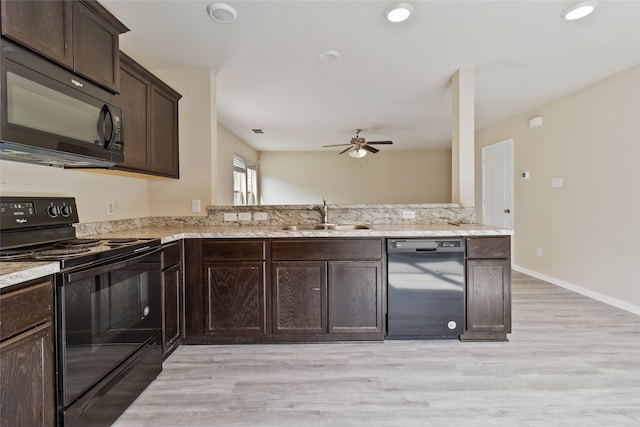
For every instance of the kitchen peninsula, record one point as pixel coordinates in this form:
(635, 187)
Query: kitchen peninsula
(247, 257)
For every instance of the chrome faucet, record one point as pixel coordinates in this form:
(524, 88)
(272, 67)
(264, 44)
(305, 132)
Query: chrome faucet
(325, 212)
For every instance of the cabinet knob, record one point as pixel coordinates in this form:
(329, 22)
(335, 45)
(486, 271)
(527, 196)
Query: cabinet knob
(507, 211)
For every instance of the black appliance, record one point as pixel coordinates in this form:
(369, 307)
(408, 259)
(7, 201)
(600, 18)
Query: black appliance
(53, 117)
(108, 302)
(425, 288)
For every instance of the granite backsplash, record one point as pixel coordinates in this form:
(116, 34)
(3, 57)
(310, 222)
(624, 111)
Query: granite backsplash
(297, 214)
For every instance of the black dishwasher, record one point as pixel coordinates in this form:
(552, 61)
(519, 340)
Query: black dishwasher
(425, 288)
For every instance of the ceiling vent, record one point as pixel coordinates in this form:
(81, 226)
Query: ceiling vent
(257, 131)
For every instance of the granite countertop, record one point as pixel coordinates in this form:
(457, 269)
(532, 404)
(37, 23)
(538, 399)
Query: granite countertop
(12, 273)
(169, 234)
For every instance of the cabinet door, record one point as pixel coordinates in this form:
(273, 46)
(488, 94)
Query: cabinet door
(26, 379)
(355, 297)
(488, 297)
(95, 47)
(134, 99)
(164, 133)
(300, 297)
(235, 298)
(43, 26)
(172, 291)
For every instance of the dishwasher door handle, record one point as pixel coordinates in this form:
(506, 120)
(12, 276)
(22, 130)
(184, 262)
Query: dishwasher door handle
(426, 249)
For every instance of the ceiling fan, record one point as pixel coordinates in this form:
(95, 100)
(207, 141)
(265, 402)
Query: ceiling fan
(358, 147)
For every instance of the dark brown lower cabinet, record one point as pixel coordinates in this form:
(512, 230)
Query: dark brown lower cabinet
(235, 298)
(327, 289)
(26, 356)
(172, 293)
(300, 297)
(355, 294)
(283, 290)
(225, 291)
(488, 289)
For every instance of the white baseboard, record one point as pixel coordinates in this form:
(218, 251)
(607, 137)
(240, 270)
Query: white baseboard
(580, 290)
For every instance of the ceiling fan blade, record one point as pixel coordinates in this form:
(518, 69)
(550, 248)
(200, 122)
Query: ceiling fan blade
(380, 142)
(345, 150)
(371, 149)
(335, 145)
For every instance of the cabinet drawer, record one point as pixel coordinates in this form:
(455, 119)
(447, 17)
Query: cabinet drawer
(171, 255)
(233, 250)
(25, 308)
(327, 249)
(488, 247)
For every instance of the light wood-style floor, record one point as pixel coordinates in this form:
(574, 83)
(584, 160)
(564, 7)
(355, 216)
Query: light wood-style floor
(571, 361)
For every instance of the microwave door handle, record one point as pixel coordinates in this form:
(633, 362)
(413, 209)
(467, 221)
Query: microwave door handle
(102, 131)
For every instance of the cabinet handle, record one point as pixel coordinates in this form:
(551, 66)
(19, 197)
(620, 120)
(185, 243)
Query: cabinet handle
(76, 83)
(315, 289)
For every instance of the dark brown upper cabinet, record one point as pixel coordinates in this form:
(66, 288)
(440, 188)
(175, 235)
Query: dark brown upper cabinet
(81, 35)
(150, 129)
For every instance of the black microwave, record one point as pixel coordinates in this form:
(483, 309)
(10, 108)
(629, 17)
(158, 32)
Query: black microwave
(54, 117)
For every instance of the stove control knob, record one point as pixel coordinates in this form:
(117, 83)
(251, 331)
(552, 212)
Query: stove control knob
(53, 211)
(65, 211)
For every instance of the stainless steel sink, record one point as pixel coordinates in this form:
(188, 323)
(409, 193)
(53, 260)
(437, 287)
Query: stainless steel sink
(333, 227)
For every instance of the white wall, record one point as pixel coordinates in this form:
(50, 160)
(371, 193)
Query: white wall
(589, 230)
(387, 177)
(91, 190)
(228, 143)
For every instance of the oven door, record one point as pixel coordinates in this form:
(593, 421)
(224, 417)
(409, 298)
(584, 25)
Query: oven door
(106, 315)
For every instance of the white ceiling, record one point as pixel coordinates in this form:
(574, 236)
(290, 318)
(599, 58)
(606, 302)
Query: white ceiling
(392, 80)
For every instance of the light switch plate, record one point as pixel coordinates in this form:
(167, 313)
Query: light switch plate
(195, 206)
(244, 216)
(230, 216)
(260, 216)
(408, 214)
(557, 182)
(111, 208)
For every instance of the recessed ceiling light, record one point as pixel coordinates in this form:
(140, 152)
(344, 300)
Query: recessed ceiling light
(579, 10)
(329, 55)
(398, 12)
(222, 12)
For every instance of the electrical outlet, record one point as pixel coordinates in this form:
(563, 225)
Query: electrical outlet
(244, 216)
(408, 214)
(111, 208)
(539, 252)
(260, 216)
(230, 216)
(195, 206)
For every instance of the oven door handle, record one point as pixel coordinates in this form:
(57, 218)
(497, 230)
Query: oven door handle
(109, 266)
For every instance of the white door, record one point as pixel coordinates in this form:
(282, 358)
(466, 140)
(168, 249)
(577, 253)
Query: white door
(497, 184)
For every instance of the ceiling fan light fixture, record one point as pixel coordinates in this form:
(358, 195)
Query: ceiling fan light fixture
(222, 12)
(358, 154)
(579, 10)
(399, 12)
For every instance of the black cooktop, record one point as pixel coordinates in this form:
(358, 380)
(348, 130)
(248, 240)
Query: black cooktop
(74, 252)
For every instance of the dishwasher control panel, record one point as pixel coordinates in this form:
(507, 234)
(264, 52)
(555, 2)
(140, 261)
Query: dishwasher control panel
(426, 244)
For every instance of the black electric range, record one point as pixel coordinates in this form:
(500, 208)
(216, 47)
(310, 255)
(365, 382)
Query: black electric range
(40, 228)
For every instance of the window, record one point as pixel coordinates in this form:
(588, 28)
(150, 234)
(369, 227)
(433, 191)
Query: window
(245, 181)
